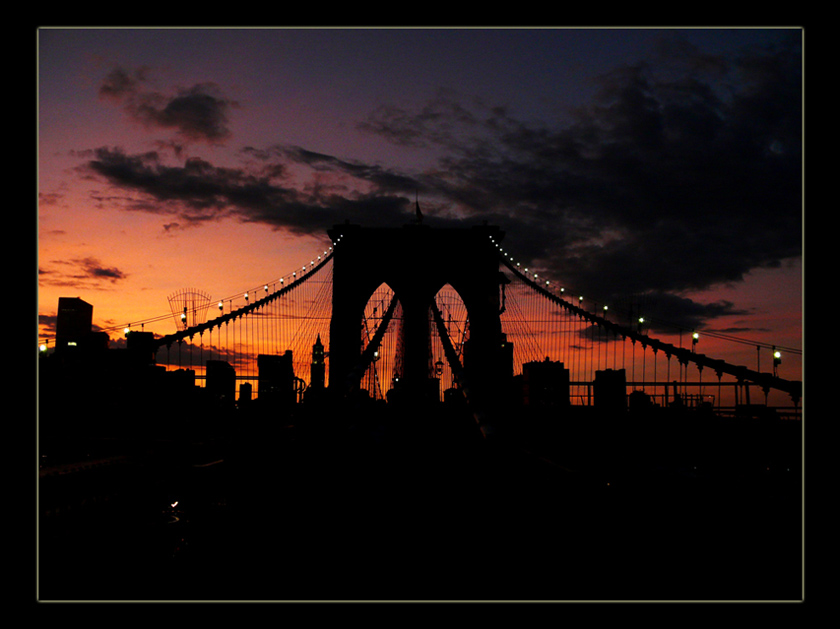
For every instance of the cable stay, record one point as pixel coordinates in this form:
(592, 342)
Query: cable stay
(765, 380)
(239, 312)
(367, 356)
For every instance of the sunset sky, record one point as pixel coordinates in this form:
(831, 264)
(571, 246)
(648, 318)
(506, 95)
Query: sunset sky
(657, 162)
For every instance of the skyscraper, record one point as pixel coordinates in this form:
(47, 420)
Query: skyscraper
(73, 322)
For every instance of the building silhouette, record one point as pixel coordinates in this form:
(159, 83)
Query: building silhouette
(317, 370)
(244, 394)
(73, 328)
(221, 381)
(276, 379)
(545, 384)
(316, 391)
(73, 321)
(610, 390)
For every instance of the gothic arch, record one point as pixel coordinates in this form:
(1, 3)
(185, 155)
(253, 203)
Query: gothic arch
(416, 261)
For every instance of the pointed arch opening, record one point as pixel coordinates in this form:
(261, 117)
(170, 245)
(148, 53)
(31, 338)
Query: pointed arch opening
(385, 366)
(457, 323)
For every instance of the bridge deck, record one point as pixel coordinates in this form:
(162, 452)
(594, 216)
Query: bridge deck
(383, 513)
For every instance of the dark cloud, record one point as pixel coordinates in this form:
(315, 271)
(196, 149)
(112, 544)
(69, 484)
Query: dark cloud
(662, 311)
(438, 122)
(197, 113)
(195, 190)
(120, 84)
(50, 198)
(46, 324)
(385, 180)
(95, 269)
(88, 272)
(683, 173)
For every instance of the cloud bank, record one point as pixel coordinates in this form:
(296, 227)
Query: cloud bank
(683, 173)
(198, 113)
(87, 272)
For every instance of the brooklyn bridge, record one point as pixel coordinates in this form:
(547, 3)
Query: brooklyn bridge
(412, 414)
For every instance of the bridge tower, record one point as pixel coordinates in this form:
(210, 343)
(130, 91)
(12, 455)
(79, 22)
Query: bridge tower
(416, 261)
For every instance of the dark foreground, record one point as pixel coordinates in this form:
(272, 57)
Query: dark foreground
(378, 511)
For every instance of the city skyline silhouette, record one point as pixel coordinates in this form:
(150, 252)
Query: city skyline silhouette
(420, 314)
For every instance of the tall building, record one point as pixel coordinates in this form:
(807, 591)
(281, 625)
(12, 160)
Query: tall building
(140, 346)
(73, 322)
(317, 370)
(610, 389)
(221, 381)
(545, 384)
(276, 380)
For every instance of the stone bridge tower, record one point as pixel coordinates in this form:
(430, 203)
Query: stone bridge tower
(416, 261)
